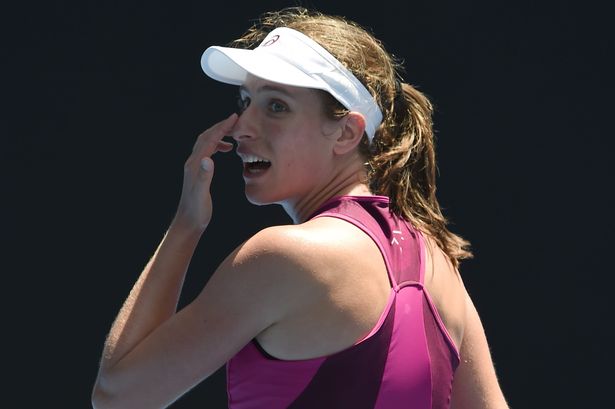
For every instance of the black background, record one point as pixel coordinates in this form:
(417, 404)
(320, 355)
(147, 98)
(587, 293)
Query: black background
(103, 101)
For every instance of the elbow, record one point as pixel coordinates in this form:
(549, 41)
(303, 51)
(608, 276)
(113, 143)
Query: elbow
(103, 398)
(100, 399)
(110, 394)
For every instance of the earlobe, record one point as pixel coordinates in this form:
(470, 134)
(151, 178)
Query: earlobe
(353, 128)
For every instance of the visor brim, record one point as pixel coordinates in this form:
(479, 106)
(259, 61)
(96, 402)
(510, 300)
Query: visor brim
(231, 66)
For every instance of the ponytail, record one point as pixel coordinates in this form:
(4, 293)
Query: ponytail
(402, 166)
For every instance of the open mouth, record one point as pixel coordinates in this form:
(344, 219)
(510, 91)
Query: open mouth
(257, 166)
(253, 164)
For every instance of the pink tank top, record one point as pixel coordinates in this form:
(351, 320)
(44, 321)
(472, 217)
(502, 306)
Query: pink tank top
(406, 361)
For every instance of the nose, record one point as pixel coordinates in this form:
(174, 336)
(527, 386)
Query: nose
(244, 127)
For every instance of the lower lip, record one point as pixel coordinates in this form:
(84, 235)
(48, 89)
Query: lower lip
(253, 174)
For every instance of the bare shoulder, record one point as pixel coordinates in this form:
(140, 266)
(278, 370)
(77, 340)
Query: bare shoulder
(329, 238)
(328, 262)
(282, 250)
(275, 255)
(282, 267)
(284, 241)
(317, 260)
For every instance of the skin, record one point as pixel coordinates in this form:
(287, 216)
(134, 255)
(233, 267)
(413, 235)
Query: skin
(312, 159)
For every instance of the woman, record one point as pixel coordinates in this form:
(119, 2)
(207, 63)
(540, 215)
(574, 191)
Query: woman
(359, 303)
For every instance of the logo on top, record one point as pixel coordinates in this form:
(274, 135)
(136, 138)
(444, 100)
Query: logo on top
(271, 41)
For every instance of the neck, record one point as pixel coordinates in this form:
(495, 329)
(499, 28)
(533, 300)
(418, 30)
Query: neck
(351, 181)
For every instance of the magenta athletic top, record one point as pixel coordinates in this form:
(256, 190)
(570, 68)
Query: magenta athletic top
(406, 361)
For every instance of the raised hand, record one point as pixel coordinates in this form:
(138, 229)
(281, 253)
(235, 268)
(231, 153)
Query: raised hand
(195, 205)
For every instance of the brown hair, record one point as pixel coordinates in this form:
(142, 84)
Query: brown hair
(401, 161)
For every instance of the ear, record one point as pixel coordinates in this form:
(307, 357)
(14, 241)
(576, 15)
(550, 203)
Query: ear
(353, 128)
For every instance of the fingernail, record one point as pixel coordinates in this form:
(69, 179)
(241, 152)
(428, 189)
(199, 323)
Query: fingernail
(205, 165)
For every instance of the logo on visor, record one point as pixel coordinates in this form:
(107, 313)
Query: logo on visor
(271, 40)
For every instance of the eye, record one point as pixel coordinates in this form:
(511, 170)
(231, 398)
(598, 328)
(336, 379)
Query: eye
(243, 102)
(277, 106)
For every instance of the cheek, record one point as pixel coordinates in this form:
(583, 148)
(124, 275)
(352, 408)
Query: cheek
(304, 159)
(299, 146)
(330, 128)
(271, 129)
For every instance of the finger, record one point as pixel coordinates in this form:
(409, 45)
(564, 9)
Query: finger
(208, 141)
(224, 146)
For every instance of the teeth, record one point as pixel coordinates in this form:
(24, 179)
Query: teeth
(247, 158)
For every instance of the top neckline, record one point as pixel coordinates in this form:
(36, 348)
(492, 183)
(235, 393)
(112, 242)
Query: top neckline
(334, 199)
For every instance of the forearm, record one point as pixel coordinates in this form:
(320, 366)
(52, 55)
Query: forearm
(154, 296)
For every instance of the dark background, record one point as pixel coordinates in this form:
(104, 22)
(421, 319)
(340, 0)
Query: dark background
(103, 101)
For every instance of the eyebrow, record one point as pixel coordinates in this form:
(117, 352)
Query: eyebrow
(265, 88)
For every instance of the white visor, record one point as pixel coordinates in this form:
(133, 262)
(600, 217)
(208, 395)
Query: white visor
(289, 57)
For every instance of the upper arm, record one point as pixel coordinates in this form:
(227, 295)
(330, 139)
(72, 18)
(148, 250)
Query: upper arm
(475, 385)
(248, 292)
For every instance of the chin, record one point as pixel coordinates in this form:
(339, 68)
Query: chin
(256, 202)
(263, 197)
(258, 198)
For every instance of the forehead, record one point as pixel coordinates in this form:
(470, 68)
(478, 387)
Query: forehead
(255, 85)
